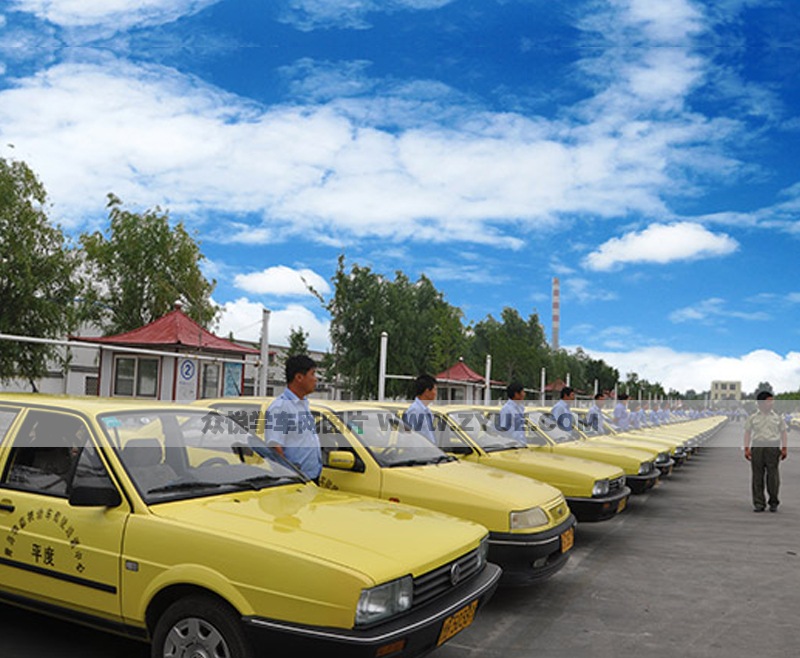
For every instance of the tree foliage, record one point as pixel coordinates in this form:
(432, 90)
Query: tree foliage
(39, 275)
(298, 342)
(425, 332)
(518, 347)
(142, 266)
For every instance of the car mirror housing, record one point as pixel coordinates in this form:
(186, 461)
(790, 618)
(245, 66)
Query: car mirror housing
(94, 496)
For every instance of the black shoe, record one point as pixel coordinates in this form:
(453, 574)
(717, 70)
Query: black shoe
(758, 509)
(773, 508)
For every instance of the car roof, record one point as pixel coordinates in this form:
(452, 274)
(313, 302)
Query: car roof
(89, 405)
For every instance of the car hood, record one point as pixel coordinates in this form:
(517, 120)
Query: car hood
(365, 534)
(471, 491)
(573, 476)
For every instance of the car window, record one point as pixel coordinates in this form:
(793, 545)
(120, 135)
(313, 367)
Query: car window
(246, 415)
(7, 417)
(44, 453)
(560, 432)
(447, 438)
(177, 454)
(390, 441)
(90, 470)
(486, 431)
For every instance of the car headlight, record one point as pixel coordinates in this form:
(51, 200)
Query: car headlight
(383, 601)
(483, 552)
(601, 488)
(662, 458)
(645, 468)
(529, 518)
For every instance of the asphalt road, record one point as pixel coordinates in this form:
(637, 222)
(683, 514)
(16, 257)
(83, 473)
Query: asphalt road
(687, 570)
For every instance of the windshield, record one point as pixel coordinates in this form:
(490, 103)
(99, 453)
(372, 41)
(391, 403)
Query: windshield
(182, 454)
(563, 431)
(486, 432)
(592, 427)
(390, 441)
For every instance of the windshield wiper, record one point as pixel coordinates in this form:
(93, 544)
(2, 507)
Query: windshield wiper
(184, 486)
(422, 462)
(258, 482)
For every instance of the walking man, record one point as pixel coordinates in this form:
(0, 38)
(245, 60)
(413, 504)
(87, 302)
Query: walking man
(765, 447)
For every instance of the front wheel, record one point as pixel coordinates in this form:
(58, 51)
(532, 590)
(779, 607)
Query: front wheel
(200, 626)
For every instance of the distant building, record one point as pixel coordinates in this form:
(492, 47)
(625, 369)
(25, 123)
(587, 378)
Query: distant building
(726, 391)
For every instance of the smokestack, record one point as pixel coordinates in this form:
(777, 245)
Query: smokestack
(556, 312)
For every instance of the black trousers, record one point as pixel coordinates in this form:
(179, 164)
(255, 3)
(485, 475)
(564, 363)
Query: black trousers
(764, 464)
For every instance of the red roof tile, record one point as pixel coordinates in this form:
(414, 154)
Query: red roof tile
(175, 329)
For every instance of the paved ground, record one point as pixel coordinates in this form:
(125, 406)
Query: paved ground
(688, 570)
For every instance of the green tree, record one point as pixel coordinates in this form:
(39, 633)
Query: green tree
(39, 275)
(424, 330)
(517, 346)
(142, 266)
(298, 342)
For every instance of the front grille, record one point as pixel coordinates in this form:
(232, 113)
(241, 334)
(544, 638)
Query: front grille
(616, 484)
(440, 581)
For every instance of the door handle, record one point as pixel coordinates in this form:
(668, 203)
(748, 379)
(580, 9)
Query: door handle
(6, 506)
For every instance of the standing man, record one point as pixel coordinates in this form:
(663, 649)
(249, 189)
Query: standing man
(594, 417)
(511, 421)
(290, 426)
(621, 415)
(418, 417)
(561, 411)
(765, 447)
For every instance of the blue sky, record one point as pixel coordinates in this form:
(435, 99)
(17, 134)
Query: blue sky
(643, 152)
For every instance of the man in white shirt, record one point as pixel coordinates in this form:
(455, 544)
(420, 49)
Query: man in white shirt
(289, 425)
(511, 421)
(418, 417)
(561, 411)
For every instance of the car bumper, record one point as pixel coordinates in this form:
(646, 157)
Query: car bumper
(599, 509)
(641, 483)
(666, 468)
(414, 634)
(530, 558)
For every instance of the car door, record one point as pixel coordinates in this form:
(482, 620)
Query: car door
(53, 552)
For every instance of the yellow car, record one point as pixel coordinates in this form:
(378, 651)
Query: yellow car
(368, 450)
(163, 522)
(677, 448)
(593, 490)
(543, 435)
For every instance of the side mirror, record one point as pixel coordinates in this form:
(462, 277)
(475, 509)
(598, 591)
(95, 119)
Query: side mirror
(95, 496)
(341, 459)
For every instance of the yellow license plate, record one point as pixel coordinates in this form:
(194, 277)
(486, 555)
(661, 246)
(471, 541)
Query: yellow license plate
(457, 622)
(567, 540)
(622, 505)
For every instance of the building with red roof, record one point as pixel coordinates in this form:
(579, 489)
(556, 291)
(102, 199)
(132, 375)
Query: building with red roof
(135, 363)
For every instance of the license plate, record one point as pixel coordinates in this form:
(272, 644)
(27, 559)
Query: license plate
(457, 622)
(567, 540)
(621, 505)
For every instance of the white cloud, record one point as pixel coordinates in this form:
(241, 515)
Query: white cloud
(313, 14)
(661, 243)
(113, 15)
(687, 370)
(329, 168)
(584, 291)
(282, 281)
(243, 318)
(709, 311)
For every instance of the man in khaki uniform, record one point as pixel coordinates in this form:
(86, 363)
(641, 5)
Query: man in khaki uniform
(764, 448)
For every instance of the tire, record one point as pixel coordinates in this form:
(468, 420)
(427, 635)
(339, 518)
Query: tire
(201, 622)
